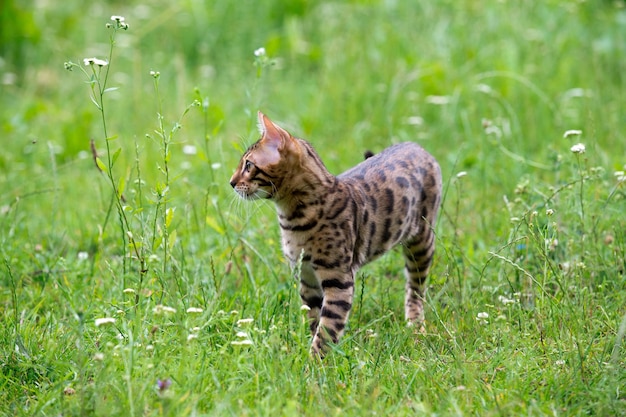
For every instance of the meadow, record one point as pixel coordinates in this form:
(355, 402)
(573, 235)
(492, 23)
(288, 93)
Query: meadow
(133, 282)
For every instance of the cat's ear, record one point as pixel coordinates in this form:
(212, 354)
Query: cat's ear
(272, 134)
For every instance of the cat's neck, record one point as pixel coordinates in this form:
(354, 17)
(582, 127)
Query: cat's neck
(306, 182)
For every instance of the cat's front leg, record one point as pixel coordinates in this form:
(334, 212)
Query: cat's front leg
(311, 295)
(338, 291)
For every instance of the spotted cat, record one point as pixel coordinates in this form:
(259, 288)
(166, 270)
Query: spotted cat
(336, 224)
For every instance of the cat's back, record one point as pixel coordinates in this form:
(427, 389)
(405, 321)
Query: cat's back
(404, 164)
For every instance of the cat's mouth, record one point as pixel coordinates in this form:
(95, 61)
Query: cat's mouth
(247, 193)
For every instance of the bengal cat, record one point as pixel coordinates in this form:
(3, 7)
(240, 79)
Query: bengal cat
(334, 225)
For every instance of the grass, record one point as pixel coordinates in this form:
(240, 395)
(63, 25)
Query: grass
(526, 302)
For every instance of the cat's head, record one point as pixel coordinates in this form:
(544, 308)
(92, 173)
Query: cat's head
(265, 164)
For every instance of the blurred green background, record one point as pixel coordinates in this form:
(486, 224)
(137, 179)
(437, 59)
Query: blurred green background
(488, 87)
(348, 76)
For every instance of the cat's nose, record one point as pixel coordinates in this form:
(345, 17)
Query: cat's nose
(233, 183)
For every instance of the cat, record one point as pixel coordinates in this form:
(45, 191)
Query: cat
(332, 225)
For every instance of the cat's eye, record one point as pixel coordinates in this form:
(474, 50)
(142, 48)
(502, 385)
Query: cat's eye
(247, 166)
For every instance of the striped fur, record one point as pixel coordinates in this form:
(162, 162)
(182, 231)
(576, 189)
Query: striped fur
(336, 224)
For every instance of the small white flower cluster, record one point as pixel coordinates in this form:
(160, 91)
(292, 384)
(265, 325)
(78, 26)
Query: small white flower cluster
(482, 317)
(104, 321)
(572, 132)
(95, 61)
(552, 244)
(243, 338)
(261, 60)
(578, 148)
(505, 300)
(620, 176)
(119, 22)
(193, 333)
(162, 309)
(190, 150)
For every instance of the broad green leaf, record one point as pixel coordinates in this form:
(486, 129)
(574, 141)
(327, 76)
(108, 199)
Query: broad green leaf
(171, 241)
(121, 186)
(101, 165)
(116, 154)
(157, 242)
(169, 215)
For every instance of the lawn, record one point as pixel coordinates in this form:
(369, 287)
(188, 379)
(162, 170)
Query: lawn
(134, 283)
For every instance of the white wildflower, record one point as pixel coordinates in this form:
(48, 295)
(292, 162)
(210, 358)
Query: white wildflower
(506, 301)
(244, 322)
(461, 174)
(620, 176)
(549, 212)
(482, 317)
(98, 356)
(83, 256)
(160, 309)
(415, 120)
(95, 61)
(117, 18)
(305, 307)
(242, 335)
(193, 310)
(105, 320)
(245, 342)
(192, 337)
(578, 148)
(572, 132)
(259, 52)
(559, 362)
(129, 291)
(189, 150)
(438, 100)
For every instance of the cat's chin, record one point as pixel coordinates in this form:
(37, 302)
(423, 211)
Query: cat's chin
(257, 195)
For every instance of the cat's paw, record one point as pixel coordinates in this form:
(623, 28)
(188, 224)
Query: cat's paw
(417, 326)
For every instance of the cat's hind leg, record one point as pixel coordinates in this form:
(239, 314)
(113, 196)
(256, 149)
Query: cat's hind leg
(418, 256)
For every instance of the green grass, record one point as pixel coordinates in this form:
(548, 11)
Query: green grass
(526, 307)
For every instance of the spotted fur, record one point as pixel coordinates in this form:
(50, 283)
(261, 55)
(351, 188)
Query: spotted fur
(336, 224)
